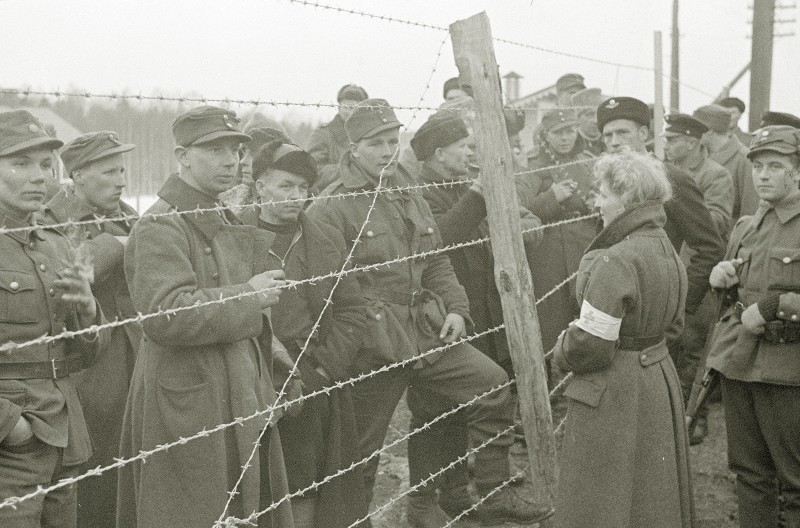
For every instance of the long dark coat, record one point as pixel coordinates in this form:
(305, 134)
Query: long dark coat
(197, 369)
(323, 438)
(561, 249)
(103, 388)
(624, 458)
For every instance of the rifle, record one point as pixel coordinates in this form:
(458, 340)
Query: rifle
(701, 391)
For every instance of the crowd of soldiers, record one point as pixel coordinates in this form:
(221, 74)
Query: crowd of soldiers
(261, 328)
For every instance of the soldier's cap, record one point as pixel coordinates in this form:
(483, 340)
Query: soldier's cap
(370, 117)
(588, 97)
(259, 120)
(91, 147)
(715, 117)
(455, 84)
(280, 154)
(440, 130)
(733, 102)
(20, 130)
(783, 139)
(351, 92)
(557, 118)
(263, 135)
(569, 80)
(628, 108)
(779, 118)
(204, 124)
(683, 125)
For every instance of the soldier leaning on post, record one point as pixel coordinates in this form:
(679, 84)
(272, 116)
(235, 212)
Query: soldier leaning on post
(322, 439)
(205, 366)
(44, 289)
(413, 307)
(756, 344)
(96, 166)
(443, 145)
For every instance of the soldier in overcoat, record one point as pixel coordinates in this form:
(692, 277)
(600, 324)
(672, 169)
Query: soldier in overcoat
(413, 306)
(757, 339)
(206, 366)
(625, 448)
(44, 290)
(96, 166)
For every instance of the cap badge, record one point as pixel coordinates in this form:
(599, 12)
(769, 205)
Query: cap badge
(765, 133)
(33, 128)
(228, 121)
(612, 104)
(113, 138)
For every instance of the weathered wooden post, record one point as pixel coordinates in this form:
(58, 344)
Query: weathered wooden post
(474, 56)
(658, 104)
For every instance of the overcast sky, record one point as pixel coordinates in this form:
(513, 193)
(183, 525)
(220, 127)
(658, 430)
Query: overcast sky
(273, 49)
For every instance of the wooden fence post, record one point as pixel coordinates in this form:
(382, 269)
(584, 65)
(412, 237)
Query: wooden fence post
(474, 56)
(658, 101)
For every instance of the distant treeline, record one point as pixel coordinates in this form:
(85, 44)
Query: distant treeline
(146, 124)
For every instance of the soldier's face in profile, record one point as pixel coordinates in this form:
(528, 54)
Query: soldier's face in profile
(562, 139)
(281, 186)
(378, 154)
(622, 133)
(677, 148)
(22, 180)
(101, 183)
(212, 166)
(454, 157)
(775, 176)
(587, 122)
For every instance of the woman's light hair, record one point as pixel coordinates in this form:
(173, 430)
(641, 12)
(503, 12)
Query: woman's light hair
(635, 177)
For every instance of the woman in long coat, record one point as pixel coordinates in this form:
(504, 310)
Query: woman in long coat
(624, 453)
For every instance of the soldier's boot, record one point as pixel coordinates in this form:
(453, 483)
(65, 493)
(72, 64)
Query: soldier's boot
(455, 501)
(507, 506)
(422, 511)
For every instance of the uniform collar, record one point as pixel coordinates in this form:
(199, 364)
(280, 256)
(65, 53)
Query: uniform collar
(784, 210)
(10, 221)
(184, 197)
(699, 160)
(354, 177)
(648, 214)
(66, 205)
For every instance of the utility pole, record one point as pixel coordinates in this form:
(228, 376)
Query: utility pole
(761, 59)
(675, 64)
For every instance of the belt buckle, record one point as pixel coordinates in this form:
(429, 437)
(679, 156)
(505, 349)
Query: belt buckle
(415, 298)
(738, 309)
(53, 368)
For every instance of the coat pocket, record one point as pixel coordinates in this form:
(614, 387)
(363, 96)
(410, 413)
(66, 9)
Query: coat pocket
(783, 271)
(18, 297)
(184, 409)
(375, 244)
(584, 390)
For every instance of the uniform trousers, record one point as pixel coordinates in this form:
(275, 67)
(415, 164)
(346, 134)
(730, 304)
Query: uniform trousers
(455, 377)
(763, 422)
(24, 467)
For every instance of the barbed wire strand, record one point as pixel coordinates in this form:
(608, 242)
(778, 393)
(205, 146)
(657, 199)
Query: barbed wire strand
(233, 521)
(476, 505)
(329, 300)
(98, 221)
(140, 318)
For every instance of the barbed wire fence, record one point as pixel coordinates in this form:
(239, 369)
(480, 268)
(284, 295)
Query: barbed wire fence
(346, 269)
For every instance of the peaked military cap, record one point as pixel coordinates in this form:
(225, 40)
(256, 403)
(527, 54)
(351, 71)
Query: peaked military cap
(370, 117)
(91, 147)
(207, 123)
(440, 130)
(569, 80)
(684, 125)
(558, 118)
(779, 118)
(628, 108)
(715, 117)
(20, 130)
(351, 92)
(733, 102)
(783, 139)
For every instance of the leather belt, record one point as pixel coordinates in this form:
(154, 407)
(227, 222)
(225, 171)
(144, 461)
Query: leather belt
(639, 343)
(53, 369)
(393, 297)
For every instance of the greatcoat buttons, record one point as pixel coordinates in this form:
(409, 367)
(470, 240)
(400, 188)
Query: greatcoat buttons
(207, 251)
(786, 260)
(370, 234)
(42, 267)
(14, 285)
(430, 230)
